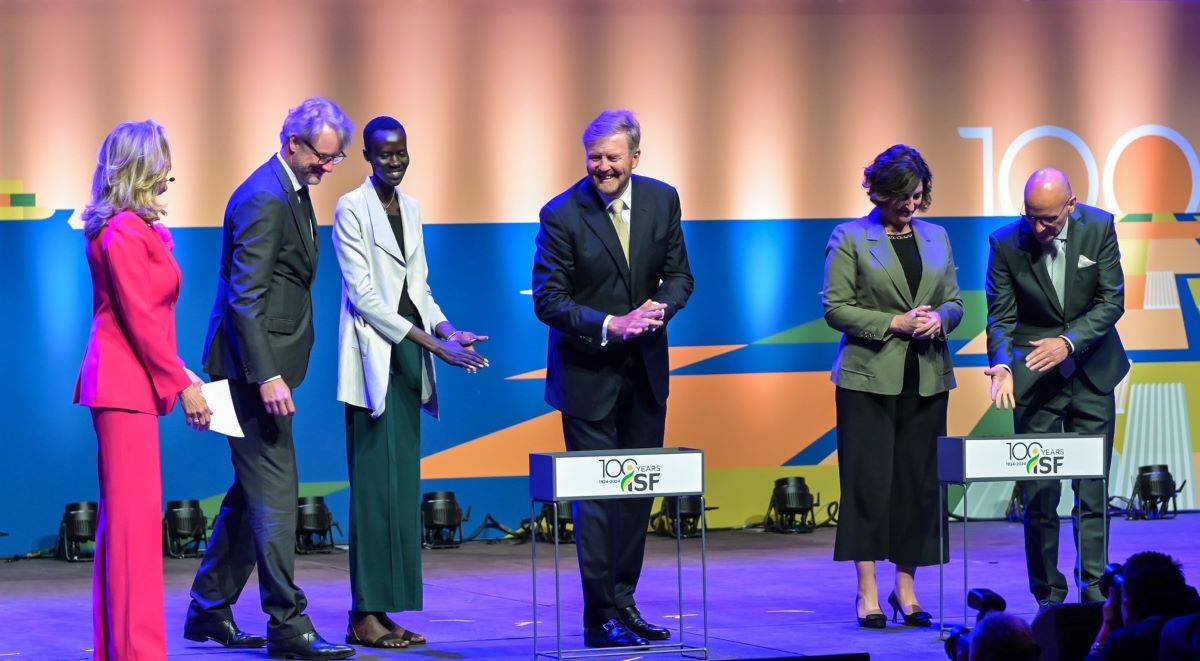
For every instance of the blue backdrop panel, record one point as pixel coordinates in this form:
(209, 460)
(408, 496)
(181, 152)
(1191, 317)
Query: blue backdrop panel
(754, 278)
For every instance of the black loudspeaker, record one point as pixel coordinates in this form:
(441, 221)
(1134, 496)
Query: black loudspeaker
(1067, 631)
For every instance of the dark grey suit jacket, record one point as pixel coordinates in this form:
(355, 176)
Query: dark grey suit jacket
(1022, 305)
(261, 324)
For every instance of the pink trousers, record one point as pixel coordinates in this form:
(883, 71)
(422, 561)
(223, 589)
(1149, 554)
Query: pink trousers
(127, 581)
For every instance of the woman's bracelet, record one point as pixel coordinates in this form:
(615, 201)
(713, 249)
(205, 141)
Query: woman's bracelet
(450, 337)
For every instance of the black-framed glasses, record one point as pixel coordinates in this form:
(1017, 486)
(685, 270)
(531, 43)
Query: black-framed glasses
(1046, 220)
(323, 159)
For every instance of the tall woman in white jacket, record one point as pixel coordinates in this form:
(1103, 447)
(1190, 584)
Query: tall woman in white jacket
(390, 329)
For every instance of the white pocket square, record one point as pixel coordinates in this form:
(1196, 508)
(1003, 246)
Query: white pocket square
(1084, 262)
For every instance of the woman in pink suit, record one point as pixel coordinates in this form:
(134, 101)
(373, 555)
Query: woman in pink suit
(131, 375)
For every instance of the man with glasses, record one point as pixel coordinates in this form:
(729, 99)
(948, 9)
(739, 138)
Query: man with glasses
(259, 337)
(1055, 291)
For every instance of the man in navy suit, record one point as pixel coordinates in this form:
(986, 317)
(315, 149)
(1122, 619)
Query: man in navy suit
(610, 272)
(1055, 291)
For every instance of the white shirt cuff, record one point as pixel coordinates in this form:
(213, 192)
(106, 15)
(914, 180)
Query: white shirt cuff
(1069, 343)
(604, 331)
(274, 378)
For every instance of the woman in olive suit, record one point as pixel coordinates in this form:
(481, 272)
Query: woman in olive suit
(891, 289)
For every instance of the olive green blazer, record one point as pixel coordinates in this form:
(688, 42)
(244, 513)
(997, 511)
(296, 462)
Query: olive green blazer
(865, 287)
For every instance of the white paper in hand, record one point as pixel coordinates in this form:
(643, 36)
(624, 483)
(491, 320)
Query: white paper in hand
(220, 402)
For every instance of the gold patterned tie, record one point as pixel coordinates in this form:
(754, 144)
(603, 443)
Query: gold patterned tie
(620, 225)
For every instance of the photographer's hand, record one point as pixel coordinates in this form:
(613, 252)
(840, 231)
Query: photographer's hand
(1112, 617)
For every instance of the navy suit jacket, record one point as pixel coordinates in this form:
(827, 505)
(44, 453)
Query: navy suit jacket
(580, 276)
(1023, 307)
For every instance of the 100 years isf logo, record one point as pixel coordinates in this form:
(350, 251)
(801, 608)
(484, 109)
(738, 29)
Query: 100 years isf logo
(629, 475)
(1037, 459)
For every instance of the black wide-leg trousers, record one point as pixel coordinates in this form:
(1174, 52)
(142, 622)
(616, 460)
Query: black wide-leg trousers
(887, 461)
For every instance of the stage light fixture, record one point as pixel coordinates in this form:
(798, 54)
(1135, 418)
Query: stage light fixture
(689, 508)
(1154, 493)
(545, 528)
(314, 526)
(791, 507)
(441, 520)
(78, 527)
(185, 528)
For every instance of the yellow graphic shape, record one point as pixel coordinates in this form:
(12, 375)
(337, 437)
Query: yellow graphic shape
(677, 358)
(738, 491)
(1133, 256)
(15, 187)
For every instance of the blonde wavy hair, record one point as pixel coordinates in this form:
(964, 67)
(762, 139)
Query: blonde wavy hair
(132, 168)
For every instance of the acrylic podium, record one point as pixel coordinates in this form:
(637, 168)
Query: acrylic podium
(558, 477)
(964, 460)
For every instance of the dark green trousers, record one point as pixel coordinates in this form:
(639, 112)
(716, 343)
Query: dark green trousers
(384, 456)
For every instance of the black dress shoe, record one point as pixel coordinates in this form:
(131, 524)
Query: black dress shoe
(220, 631)
(612, 634)
(307, 646)
(633, 621)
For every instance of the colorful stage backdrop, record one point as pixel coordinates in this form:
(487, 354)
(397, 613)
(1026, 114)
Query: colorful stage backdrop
(762, 113)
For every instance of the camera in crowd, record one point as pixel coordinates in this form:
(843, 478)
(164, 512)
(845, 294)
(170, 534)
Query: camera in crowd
(1114, 574)
(983, 601)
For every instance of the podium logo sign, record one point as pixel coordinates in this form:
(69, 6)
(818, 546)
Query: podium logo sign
(1036, 459)
(629, 476)
(1032, 457)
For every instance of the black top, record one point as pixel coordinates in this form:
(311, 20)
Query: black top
(905, 246)
(407, 308)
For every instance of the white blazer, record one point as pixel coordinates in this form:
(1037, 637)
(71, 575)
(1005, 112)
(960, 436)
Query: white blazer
(373, 272)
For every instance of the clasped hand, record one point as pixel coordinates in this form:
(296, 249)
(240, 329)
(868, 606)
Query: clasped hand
(919, 323)
(646, 318)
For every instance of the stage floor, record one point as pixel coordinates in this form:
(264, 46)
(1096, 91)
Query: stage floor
(769, 596)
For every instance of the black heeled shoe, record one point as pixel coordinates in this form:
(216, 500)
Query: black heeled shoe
(914, 619)
(871, 620)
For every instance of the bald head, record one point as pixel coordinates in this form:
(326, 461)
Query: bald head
(1048, 201)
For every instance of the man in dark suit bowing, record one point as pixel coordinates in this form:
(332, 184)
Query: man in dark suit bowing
(259, 337)
(1055, 291)
(610, 272)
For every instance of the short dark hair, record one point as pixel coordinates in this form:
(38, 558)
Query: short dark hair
(381, 123)
(1003, 636)
(895, 173)
(1153, 584)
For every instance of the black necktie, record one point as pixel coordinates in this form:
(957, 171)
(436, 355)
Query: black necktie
(307, 205)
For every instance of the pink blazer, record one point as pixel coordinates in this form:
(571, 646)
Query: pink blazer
(131, 361)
